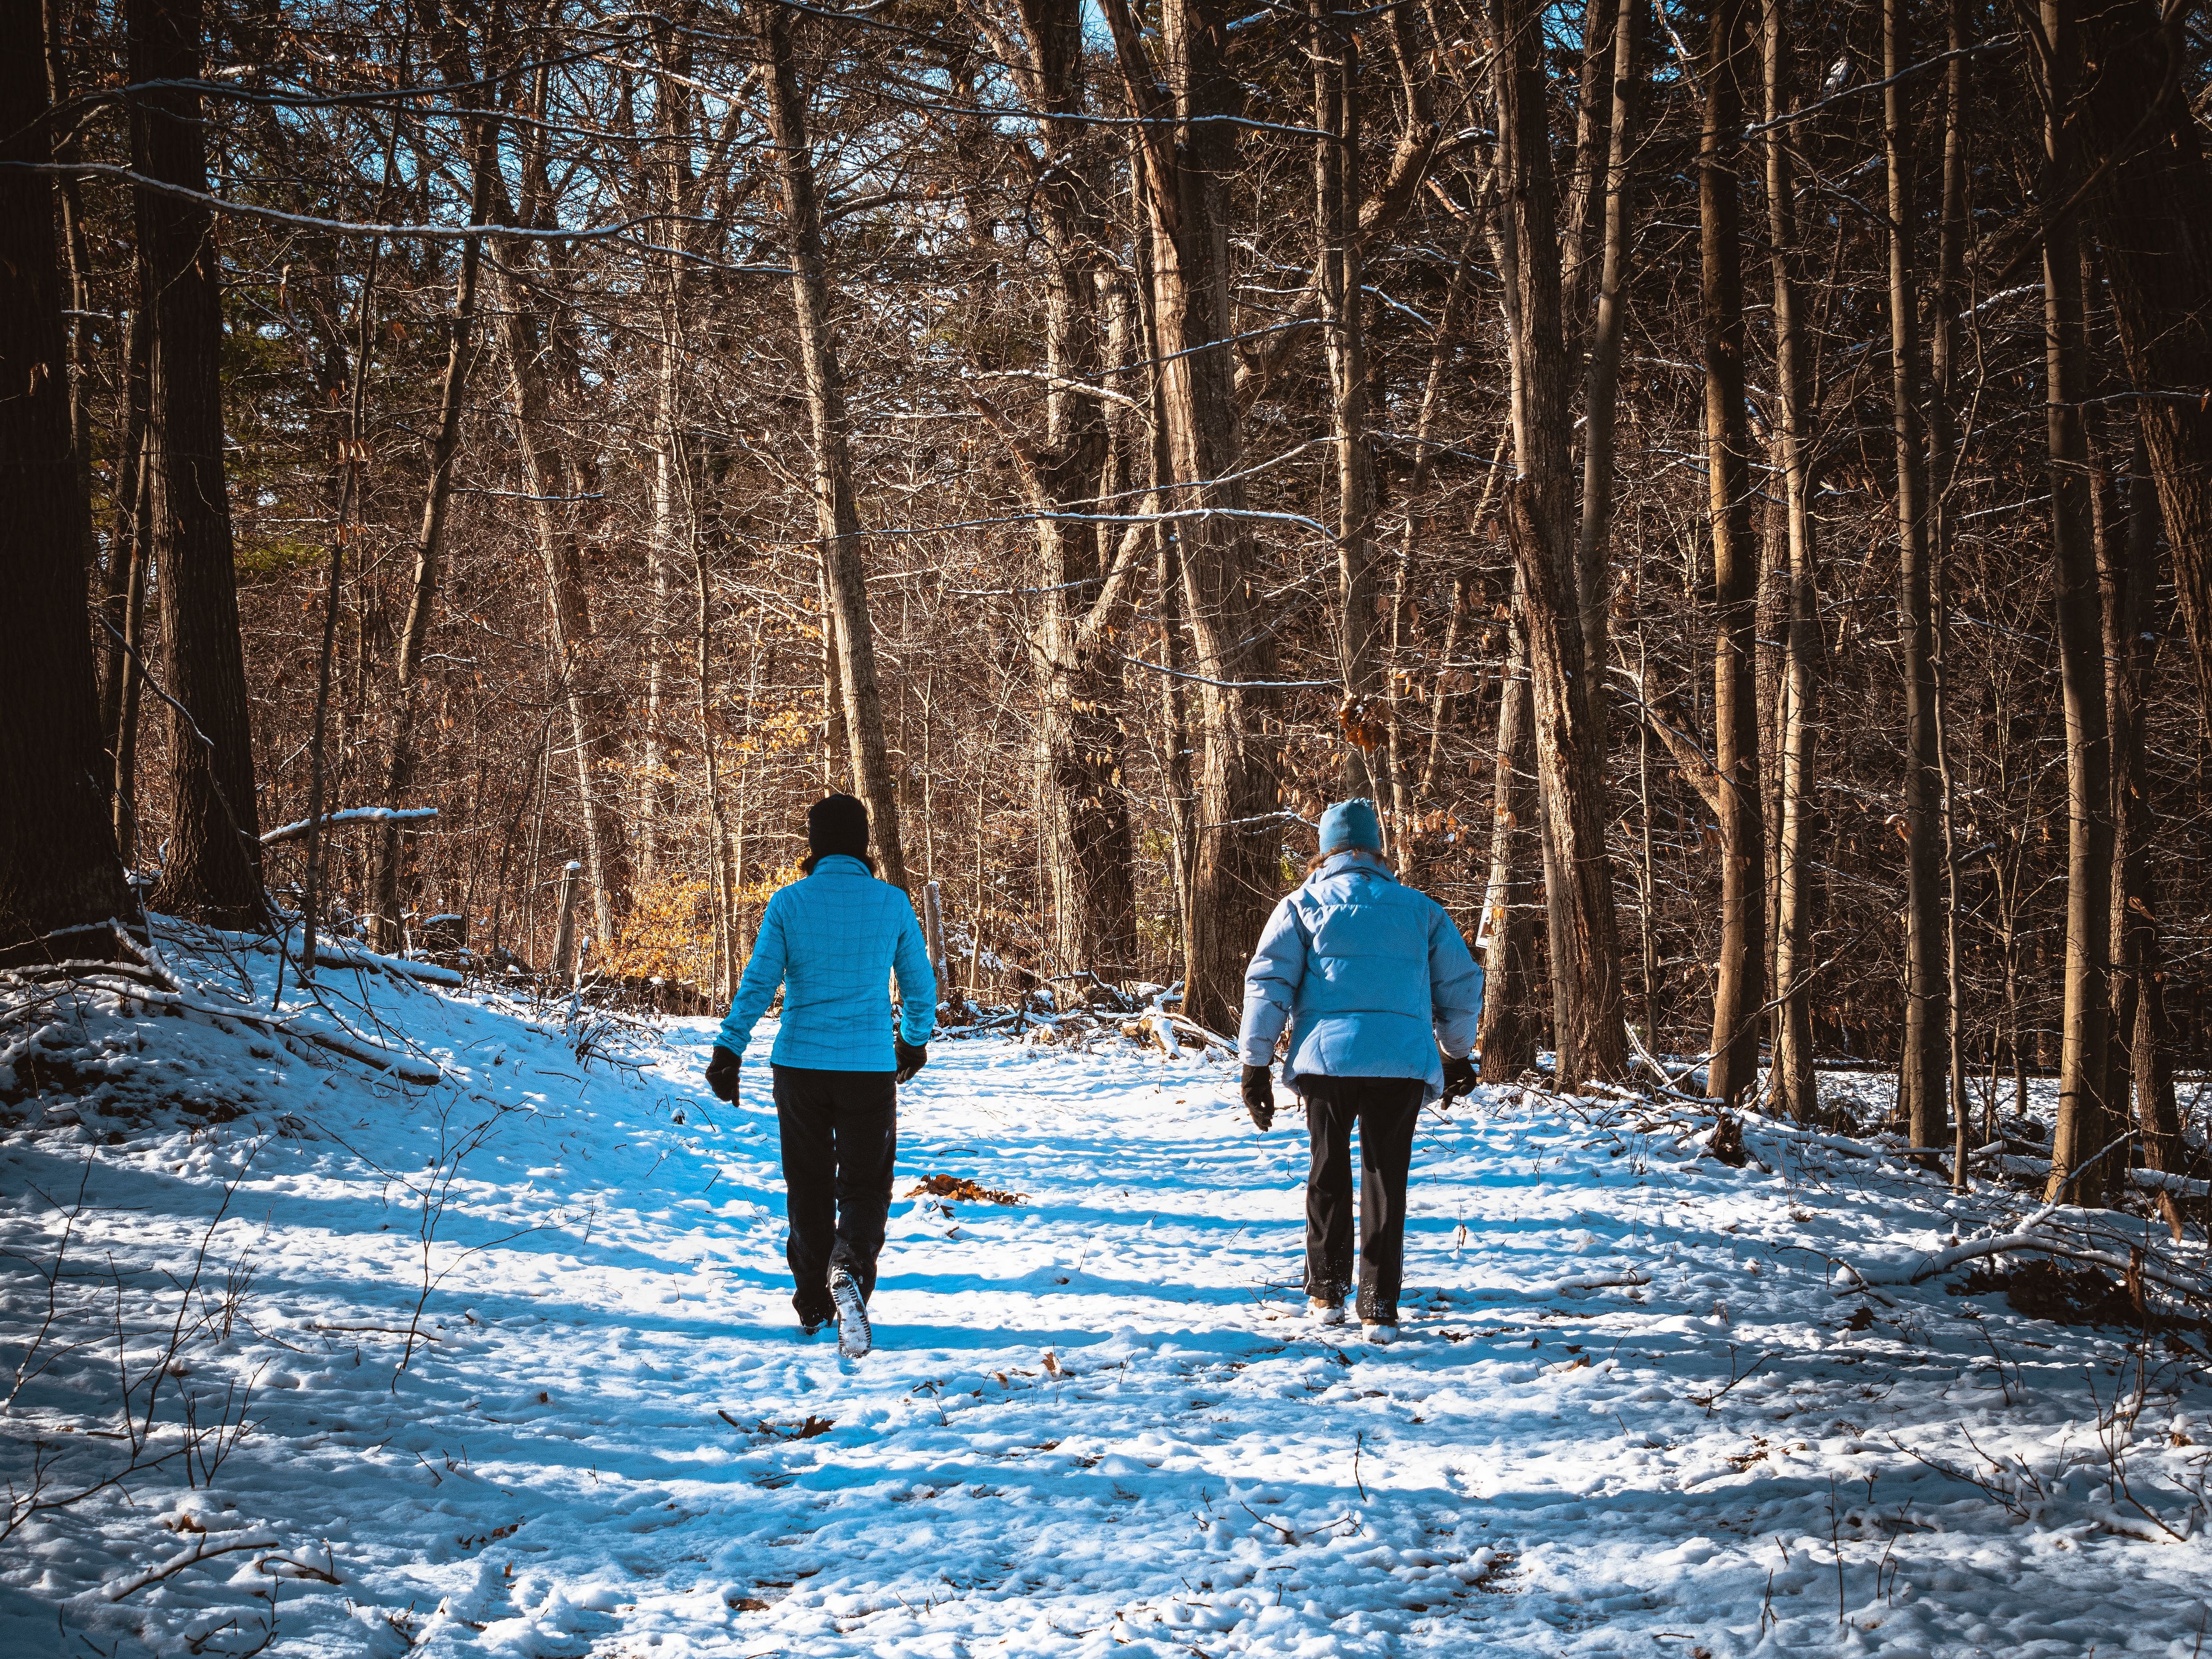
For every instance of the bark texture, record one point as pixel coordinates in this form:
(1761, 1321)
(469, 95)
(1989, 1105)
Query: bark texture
(58, 863)
(845, 570)
(1189, 162)
(1591, 1040)
(1740, 981)
(2080, 1129)
(213, 866)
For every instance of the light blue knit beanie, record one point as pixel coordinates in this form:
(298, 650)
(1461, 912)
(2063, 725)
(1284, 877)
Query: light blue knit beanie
(1349, 825)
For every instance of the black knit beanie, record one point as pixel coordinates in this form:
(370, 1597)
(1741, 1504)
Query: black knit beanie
(837, 823)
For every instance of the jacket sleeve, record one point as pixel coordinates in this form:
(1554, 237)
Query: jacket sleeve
(1455, 986)
(763, 975)
(1270, 986)
(917, 980)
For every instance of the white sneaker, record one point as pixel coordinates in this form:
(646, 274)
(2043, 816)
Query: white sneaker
(854, 1338)
(1324, 1313)
(1381, 1335)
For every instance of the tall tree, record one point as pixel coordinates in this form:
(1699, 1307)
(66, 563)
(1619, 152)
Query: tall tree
(450, 45)
(1085, 568)
(551, 478)
(1739, 990)
(2080, 1133)
(1336, 68)
(2152, 209)
(1187, 104)
(212, 868)
(1796, 726)
(845, 570)
(1601, 378)
(58, 864)
(1927, 1024)
(1591, 1042)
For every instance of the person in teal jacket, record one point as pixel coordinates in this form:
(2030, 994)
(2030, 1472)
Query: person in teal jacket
(1381, 1000)
(831, 941)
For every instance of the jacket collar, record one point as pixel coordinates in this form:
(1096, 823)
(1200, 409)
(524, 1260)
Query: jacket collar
(842, 863)
(1355, 860)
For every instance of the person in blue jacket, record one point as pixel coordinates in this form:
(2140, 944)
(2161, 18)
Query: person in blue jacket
(832, 940)
(1381, 1000)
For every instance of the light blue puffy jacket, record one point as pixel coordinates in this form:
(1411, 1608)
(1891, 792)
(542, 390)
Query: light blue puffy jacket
(831, 940)
(1370, 975)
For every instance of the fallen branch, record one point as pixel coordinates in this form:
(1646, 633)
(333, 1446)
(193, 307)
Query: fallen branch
(1929, 1265)
(349, 815)
(203, 1549)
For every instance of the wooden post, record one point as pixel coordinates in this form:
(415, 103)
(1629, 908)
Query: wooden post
(564, 930)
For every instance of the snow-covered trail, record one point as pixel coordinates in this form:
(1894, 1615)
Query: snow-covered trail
(1631, 1407)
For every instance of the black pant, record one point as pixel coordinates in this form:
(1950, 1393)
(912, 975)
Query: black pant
(840, 1133)
(1386, 1108)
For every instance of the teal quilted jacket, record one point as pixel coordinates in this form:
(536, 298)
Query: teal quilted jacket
(832, 940)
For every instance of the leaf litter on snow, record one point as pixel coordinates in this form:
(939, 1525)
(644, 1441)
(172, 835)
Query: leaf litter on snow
(472, 1351)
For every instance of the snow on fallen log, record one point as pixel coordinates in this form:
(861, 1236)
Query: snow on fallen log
(334, 952)
(345, 953)
(405, 1068)
(350, 815)
(1591, 1281)
(1921, 1265)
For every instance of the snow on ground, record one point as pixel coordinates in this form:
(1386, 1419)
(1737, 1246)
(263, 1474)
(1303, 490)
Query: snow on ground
(1635, 1412)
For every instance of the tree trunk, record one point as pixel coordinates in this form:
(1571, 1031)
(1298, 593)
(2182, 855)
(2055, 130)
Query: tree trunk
(212, 868)
(1081, 597)
(1950, 296)
(2152, 212)
(1739, 991)
(2081, 1130)
(1507, 1030)
(1602, 384)
(58, 864)
(1336, 66)
(124, 538)
(1926, 1021)
(835, 512)
(461, 351)
(1591, 1041)
(1795, 1090)
(124, 734)
(1189, 159)
(2127, 558)
(76, 269)
(567, 605)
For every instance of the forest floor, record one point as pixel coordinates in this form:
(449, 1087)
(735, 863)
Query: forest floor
(1637, 1409)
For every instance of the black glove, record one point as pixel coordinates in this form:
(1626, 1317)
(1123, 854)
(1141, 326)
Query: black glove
(1260, 1097)
(1459, 1076)
(722, 1073)
(912, 1056)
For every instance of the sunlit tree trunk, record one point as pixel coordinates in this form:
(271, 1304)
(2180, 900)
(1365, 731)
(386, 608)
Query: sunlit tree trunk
(2081, 1127)
(837, 515)
(1189, 159)
(1926, 1022)
(1508, 1029)
(1794, 1085)
(1591, 1041)
(1334, 48)
(450, 43)
(1740, 980)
